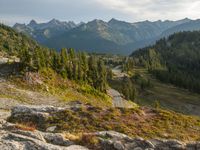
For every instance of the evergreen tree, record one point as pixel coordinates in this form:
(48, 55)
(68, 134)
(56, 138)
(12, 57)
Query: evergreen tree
(102, 76)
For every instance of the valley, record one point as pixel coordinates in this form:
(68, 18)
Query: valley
(168, 96)
(81, 97)
(99, 75)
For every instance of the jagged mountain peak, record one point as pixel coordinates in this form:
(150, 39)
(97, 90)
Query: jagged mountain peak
(95, 25)
(114, 33)
(186, 19)
(96, 21)
(113, 20)
(19, 24)
(54, 21)
(32, 23)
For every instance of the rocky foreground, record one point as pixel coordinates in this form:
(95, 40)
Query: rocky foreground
(15, 136)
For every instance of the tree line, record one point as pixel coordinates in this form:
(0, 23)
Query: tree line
(174, 60)
(77, 66)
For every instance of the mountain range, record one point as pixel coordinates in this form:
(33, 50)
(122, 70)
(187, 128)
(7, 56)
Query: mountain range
(114, 36)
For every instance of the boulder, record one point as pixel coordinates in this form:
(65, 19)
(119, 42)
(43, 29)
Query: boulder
(34, 114)
(111, 140)
(118, 145)
(57, 139)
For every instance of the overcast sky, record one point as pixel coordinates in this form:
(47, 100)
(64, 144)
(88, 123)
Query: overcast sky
(23, 11)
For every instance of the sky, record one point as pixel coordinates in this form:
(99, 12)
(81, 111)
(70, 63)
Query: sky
(22, 11)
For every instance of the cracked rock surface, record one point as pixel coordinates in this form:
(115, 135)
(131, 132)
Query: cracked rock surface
(16, 139)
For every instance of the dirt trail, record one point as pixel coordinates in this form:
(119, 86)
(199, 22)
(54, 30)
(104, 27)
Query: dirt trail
(117, 71)
(118, 100)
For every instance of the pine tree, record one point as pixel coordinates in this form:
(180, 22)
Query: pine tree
(26, 59)
(102, 76)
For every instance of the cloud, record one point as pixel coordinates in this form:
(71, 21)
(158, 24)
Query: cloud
(154, 9)
(85, 10)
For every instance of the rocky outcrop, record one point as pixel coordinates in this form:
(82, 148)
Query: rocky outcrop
(111, 140)
(39, 114)
(33, 114)
(13, 138)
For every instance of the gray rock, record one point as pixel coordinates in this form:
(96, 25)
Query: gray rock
(11, 145)
(76, 147)
(12, 138)
(148, 144)
(106, 144)
(36, 134)
(51, 129)
(177, 147)
(138, 139)
(20, 142)
(57, 139)
(173, 142)
(33, 109)
(35, 114)
(118, 145)
(198, 145)
(191, 146)
(138, 148)
(131, 146)
(112, 134)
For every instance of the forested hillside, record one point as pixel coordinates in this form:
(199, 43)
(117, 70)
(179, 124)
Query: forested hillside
(13, 43)
(79, 67)
(174, 60)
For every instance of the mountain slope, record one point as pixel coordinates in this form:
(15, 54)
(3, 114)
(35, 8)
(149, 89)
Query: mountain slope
(112, 37)
(187, 26)
(174, 60)
(12, 42)
(115, 36)
(43, 31)
(95, 37)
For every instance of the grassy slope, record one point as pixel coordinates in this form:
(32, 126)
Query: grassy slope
(143, 122)
(51, 86)
(170, 97)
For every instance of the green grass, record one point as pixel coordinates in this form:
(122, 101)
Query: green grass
(169, 96)
(64, 89)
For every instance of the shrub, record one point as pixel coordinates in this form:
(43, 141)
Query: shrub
(26, 127)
